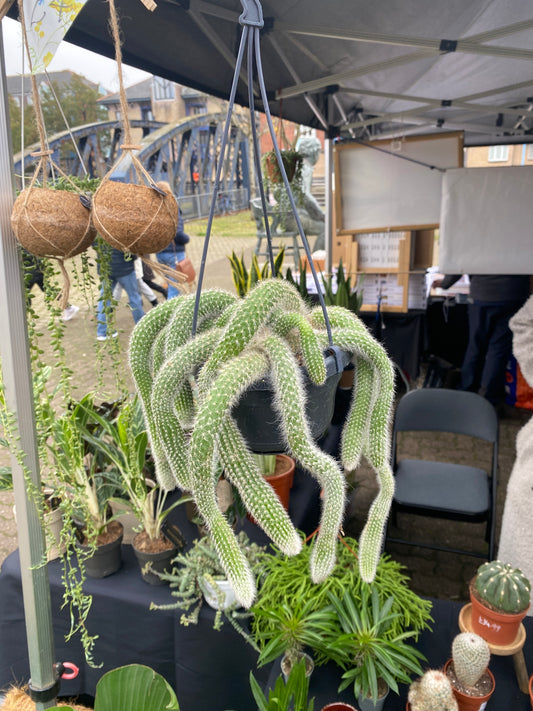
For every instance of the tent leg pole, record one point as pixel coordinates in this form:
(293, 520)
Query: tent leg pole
(16, 369)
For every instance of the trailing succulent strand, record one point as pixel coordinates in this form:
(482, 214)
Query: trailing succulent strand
(189, 385)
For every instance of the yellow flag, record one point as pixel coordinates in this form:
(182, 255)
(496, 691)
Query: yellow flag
(47, 22)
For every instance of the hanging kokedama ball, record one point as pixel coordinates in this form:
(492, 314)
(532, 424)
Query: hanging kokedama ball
(135, 218)
(52, 223)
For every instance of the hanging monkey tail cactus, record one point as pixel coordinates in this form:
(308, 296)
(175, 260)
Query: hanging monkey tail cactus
(502, 586)
(432, 692)
(471, 655)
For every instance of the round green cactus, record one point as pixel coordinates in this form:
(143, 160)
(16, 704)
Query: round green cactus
(505, 588)
(432, 692)
(189, 385)
(471, 655)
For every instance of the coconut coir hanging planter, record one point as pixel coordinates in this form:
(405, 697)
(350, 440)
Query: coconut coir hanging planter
(47, 222)
(133, 217)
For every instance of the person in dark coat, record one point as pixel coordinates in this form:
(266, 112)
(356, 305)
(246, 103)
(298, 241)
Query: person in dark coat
(493, 301)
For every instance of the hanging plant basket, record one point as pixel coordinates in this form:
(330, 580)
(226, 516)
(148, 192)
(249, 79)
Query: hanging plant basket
(52, 223)
(135, 218)
(292, 162)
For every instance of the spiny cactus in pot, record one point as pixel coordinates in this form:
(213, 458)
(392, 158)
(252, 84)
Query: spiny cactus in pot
(471, 679)
(189, 385)
(432, 692)
(500, 597)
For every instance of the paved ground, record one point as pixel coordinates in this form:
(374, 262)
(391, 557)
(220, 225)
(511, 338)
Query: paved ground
(436, 574)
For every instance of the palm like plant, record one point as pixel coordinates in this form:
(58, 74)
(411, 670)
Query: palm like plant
(364, 647)
(289, 628)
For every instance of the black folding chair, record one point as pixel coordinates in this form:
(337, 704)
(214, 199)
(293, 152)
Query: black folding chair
(440, 489)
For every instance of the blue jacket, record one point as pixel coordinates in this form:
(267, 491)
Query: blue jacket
(180, 238)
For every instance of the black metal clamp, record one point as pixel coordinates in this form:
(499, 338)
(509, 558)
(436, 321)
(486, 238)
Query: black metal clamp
(62, 670)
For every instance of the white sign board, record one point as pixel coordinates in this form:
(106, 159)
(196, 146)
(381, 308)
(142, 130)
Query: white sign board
(393, 184)
(486, 224)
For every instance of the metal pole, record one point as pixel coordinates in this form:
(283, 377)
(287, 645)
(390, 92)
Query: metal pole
(17, 378)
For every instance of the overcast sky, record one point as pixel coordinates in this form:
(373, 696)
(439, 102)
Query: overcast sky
(92, 66)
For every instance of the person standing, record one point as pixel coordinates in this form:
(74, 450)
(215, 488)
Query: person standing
(121, 271)
(175, 251)
(494, 299)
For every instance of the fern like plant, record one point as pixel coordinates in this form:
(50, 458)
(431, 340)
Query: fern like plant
(189, 386)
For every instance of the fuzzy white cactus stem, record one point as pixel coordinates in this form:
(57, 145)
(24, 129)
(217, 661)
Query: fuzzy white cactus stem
(351, 334)
(290, 404)
(233, 379)
(256, 493)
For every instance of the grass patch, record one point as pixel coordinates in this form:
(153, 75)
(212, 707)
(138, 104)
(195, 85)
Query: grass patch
(240, 224)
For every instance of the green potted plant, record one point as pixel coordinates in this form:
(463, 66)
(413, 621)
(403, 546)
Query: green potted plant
(290, 692)
(472, 681)
(289, 629)
(245, 278)
(122, 443)
(190, 386)
(86, 492)
(431, 692)
(500, 596)
(374, 660)
(134, 687)
(198, 575)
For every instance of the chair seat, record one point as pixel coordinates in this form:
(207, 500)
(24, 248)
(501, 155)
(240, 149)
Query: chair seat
(454, 488)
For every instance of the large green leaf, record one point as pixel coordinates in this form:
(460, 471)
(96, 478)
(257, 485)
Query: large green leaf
(132, 688)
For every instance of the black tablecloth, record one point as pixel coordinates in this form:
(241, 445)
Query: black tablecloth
(402, 335)
(436, 646)
(208, 669)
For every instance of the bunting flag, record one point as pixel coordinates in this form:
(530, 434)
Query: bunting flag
(47, 22)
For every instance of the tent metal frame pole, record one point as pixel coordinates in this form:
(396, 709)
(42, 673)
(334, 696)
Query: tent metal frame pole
(470, 45)
(16, 368)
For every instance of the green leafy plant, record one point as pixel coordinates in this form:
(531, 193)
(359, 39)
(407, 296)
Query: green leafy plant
(345, 294)
(284, 579)
(291, 694)
(244, 279)
(123, 444)
(290, 628)
(363, 646)
(190, 570)
(134, 687)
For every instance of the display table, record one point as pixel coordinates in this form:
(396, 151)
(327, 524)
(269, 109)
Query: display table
(208, 669)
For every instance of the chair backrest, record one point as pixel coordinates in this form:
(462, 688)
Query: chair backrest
(439, 409)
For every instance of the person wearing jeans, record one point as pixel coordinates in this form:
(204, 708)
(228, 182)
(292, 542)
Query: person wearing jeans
(175, 251)
(121, 271)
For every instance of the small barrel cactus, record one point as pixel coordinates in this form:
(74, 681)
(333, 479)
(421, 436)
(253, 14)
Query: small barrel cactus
(505, 588)
(432, 692)
(471, 655)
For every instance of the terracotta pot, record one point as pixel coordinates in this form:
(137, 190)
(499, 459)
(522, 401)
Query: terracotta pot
(497, 628)
(338, 706)
(471, 703)
(531, 690)
(281, 481)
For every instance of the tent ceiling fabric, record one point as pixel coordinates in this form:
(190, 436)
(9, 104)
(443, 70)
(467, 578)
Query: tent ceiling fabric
(367, 69)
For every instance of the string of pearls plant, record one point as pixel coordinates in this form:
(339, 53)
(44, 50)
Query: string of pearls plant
(189, 385)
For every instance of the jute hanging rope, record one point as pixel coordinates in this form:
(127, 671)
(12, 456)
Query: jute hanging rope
(133, 217)
(47, 222)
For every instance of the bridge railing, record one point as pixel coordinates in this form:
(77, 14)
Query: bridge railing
(196, 205)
